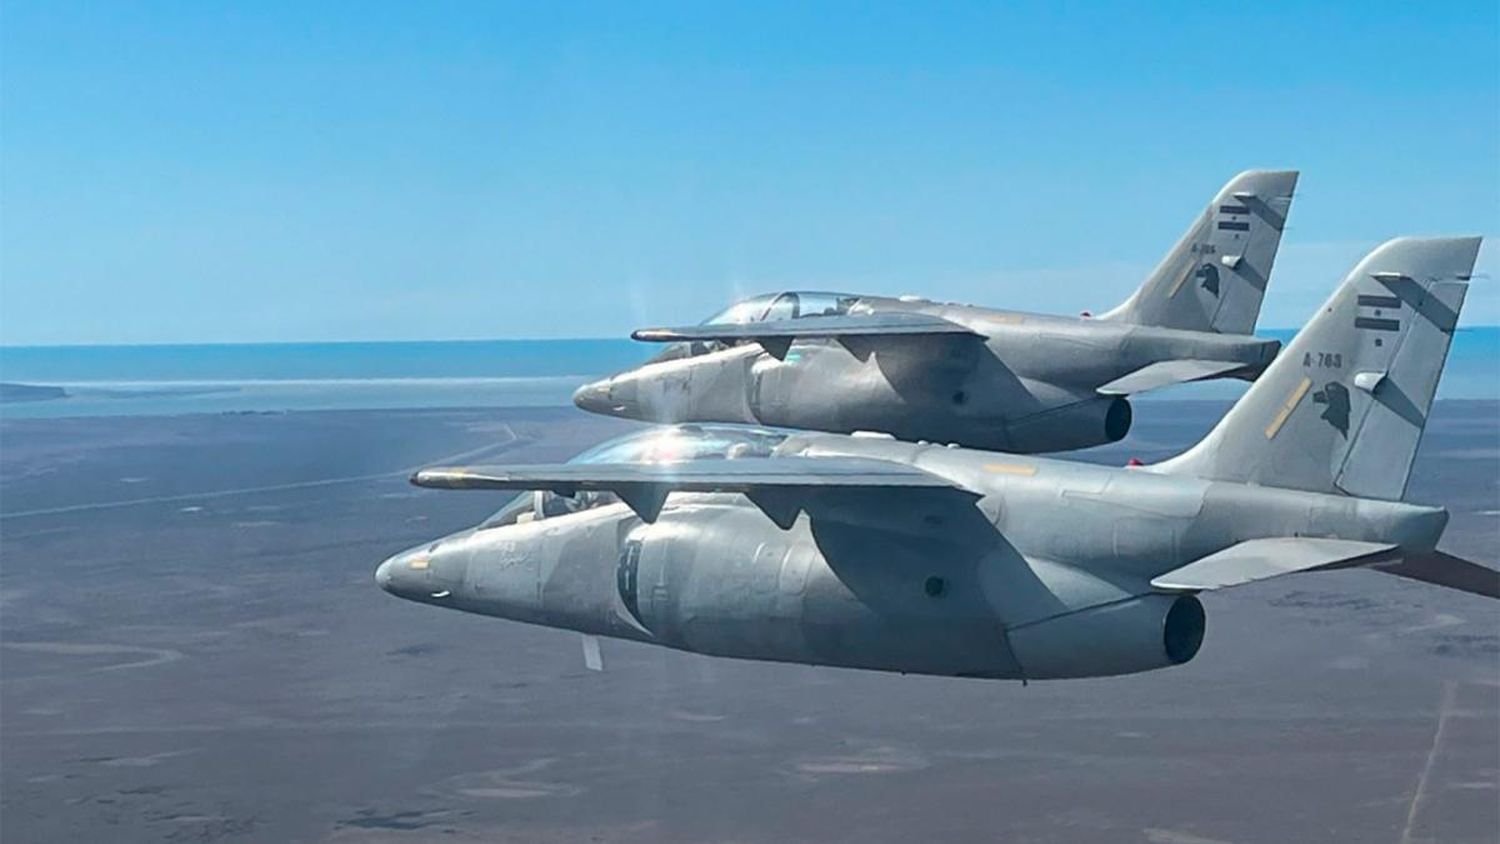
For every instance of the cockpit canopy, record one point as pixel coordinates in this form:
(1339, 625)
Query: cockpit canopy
(685, 442)
(785, 305)
(764, 308)
(653, 445)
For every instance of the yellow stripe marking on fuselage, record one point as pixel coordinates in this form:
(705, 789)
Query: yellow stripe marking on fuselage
(1010, 468)
(1287, 407)
(418, 563)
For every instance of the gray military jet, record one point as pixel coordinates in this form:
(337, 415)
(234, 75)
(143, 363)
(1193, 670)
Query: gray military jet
(1011, 381)
(866, 552)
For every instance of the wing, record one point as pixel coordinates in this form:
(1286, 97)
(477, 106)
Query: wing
(1259, 559)
(778, 485)
(1166, 373)
(776, 336)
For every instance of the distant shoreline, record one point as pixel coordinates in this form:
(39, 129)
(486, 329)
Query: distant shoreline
(171, 380)
(11, 392)
(500, 410)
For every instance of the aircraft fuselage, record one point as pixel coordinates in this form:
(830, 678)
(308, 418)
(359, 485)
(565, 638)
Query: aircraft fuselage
(1043, 572)
(1026, 383)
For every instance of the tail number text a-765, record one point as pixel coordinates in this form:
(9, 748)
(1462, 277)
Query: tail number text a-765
(1323, 360)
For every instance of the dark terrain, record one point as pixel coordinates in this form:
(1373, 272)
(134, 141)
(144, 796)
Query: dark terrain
(192, 648)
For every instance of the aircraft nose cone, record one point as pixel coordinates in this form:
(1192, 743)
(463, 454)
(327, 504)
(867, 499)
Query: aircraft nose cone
(593, 397)
(406, 574)
(384, 574)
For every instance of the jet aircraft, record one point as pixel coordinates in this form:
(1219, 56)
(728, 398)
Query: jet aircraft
(986, 378)
(867, 552)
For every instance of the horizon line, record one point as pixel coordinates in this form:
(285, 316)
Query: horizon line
(455, 340)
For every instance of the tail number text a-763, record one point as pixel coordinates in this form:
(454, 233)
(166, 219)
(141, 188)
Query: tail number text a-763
(1323, 360)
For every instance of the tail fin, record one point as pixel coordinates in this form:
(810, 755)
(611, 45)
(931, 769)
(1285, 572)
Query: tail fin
(1342, 408)
(1216, 275)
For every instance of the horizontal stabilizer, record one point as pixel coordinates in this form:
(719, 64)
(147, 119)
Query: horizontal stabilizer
(1259, 559)
(1166, 373)
(775, 484)
(1447, 570)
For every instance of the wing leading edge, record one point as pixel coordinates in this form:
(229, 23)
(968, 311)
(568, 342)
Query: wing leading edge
(778, 485)
(776, 336)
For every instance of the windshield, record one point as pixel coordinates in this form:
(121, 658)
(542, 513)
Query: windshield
(653, 445)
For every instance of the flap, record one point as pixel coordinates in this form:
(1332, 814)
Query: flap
(1258, 559)
(1166, 373)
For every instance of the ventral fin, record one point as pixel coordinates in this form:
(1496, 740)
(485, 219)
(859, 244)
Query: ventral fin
(645, 499)
(778, 505)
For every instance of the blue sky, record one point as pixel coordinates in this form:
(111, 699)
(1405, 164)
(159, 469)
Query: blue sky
(174, 172)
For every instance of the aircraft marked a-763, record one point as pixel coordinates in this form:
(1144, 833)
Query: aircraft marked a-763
(873, 553)
(984, 378)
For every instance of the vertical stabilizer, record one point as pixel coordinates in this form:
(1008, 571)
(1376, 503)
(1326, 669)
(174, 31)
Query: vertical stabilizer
(1215, 277)
(1342, 408)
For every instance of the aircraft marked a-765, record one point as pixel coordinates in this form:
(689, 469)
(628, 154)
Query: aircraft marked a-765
(872, 553)
(984, 378)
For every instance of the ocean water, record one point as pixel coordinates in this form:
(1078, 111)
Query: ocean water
(174, 379)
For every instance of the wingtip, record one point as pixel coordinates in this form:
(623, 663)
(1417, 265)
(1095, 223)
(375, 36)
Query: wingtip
(428, 478)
